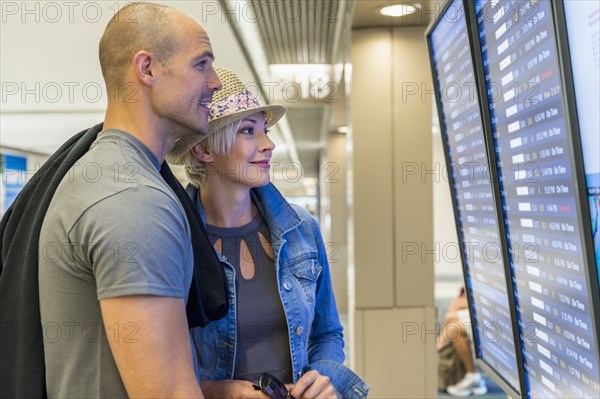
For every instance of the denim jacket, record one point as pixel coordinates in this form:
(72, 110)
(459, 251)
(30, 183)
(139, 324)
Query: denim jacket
(304, 279)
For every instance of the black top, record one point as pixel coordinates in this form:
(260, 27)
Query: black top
(262, 333)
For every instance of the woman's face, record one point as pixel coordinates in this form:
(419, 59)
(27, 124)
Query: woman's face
(248, 162)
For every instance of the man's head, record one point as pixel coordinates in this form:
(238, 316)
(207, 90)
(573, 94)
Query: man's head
(137, 26)
(158, 57)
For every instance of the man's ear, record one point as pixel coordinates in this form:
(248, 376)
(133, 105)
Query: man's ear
(144, 63)
(202, 153)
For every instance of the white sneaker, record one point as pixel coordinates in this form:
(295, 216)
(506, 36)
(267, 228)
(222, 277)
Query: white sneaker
(471, 384)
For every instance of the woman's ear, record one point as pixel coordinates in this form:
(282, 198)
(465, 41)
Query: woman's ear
(202, 153)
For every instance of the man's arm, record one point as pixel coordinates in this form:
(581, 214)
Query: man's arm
(156, 361)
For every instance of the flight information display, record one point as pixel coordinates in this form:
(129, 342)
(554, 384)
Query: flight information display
(583, 31)
(463, 136)
(539, 197)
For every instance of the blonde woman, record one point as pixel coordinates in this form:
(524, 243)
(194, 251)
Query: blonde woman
(282, 317)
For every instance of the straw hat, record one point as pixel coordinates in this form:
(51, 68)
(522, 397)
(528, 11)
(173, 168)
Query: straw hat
(233, 102)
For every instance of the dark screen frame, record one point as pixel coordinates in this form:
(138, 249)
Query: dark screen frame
(562, 40)
(574, 150)
(478, 73)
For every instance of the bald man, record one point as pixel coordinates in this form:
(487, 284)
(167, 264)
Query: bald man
(116, 261)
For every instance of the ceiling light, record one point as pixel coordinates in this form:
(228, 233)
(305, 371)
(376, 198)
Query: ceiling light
(399, 10)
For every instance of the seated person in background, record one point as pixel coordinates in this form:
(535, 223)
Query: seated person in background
(457, 333)
(283, 317)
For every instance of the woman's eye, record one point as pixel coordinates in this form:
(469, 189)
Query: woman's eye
(267, 131)
(248, 130)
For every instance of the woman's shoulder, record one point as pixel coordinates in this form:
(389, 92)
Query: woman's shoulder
(304, 214)
(309, 225)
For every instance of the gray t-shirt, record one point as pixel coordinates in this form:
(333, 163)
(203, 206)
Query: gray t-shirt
(113, 228)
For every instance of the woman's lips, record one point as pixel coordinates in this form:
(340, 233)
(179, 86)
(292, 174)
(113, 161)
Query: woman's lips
(262, 164)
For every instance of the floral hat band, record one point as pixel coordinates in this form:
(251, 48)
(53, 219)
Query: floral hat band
(233, 104)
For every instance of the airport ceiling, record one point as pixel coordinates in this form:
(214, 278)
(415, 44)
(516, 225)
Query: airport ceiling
(290, 52)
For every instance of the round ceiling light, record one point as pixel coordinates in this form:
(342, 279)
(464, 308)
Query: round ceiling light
(399, 10)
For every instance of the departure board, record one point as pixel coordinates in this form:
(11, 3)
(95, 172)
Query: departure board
(583, 31)
(539, 198)
(475, 208)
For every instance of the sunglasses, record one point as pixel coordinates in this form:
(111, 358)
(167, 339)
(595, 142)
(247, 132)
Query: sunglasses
(273, 388)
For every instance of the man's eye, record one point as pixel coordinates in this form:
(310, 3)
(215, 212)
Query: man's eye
(201, 64)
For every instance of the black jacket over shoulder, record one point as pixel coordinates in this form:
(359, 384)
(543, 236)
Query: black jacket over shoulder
(22, 368)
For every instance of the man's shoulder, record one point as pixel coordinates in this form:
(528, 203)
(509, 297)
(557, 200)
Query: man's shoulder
(135, 210)
(113, 158)
(138, 199)
(113, 164)
(115, 187)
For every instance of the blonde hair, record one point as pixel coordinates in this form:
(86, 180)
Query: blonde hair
(218, 143)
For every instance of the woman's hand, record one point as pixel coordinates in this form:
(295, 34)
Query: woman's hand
(313, 385)
(230, 389)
